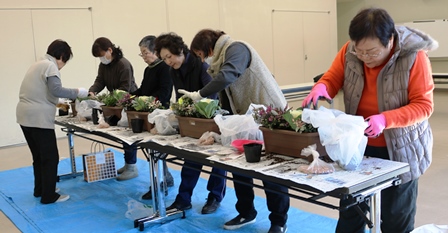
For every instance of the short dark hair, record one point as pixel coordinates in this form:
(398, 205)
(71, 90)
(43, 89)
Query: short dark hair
(102, 44)
(372, 23)
(148, 42)
(60, 49)
(205, 40)
(171, 41)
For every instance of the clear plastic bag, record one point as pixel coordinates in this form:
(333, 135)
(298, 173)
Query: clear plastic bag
(84, 108)
(164, 120)
(238, 127)
(431, 228)
(318, 166)
(123, 122)
(138, 210)
(341, 134)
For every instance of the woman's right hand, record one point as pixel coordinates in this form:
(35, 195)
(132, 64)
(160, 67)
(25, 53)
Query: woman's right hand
(319, 91)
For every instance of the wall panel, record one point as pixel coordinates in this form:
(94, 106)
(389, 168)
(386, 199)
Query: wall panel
(17, 49)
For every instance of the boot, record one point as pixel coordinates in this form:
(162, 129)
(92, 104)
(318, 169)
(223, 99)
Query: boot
(122, 169)
(130, 172)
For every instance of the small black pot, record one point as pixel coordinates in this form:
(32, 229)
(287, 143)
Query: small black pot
(252, 151)
(137, 125)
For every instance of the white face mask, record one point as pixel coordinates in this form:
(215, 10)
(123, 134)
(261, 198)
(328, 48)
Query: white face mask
(104, 60)
(208, 60)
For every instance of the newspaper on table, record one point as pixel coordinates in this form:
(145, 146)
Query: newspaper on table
(283, 167)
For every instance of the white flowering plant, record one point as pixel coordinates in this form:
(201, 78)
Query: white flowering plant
(112, 98)
(294, 119)
(145, 104)
(282, 118)
(205, 108)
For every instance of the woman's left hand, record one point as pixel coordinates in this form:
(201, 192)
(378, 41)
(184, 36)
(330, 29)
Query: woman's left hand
(377, 123)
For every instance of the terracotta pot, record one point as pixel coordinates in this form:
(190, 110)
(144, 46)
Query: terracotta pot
(142, 115)
(195, 127)
(291, 143)
(109, 111)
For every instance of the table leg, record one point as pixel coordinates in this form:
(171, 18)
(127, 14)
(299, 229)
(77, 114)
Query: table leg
(71, 148)
(157, 176)
(375, 211)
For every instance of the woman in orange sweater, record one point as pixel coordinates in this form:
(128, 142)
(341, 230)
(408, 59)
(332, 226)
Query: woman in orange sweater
(386, 77)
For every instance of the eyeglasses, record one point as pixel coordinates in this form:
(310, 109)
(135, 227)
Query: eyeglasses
(366, 55)
(144, 54)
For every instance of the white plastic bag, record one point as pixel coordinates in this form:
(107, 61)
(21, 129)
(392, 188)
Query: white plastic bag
(138, 210)
(123, 122)
(341, 134)
(237, 127)
(164, 120)
(431, 228)
(84, 108)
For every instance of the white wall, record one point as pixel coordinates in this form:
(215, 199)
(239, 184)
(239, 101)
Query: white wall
(125, 23)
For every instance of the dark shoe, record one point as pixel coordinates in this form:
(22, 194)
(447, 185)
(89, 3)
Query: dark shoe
(277, 229)
(210, 206)
(178, 206)
(148, 195)
(238, 222)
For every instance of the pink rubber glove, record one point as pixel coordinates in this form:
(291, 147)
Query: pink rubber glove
(318, 92)
(377, 123)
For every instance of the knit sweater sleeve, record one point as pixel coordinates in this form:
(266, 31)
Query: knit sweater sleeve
(420, 95)
(237, 59)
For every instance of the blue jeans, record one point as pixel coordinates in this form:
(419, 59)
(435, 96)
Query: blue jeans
(189, 178)
(130, 154)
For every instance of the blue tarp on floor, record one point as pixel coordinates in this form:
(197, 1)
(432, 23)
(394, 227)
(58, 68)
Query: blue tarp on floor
(101, 206)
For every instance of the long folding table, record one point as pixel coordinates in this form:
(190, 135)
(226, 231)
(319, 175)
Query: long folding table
(359, 186)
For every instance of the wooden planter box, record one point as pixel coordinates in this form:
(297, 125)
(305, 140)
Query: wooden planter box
(142, 115)
(195, 127)
(291, 143)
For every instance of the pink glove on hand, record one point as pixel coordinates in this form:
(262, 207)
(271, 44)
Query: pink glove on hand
(377, 123)
(318, 92)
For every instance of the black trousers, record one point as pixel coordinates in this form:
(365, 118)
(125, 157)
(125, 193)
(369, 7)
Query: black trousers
(398, 206)
(44, 149)
(278, 204)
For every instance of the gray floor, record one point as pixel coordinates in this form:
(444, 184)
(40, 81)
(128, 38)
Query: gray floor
(433, 188)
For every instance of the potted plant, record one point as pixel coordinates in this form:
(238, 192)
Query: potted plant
(140, 107)
(196, 118)
(111, 103)
(284, 132)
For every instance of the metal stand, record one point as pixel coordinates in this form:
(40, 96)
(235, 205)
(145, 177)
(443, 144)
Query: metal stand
(71, 147)
(157, 176)
(373, 197)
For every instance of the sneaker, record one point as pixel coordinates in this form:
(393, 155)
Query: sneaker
(63, 198)
(56, 191)
(178, 206)
(238, 222)
(210, 206)
(121, 170)
(130, 172)
(277, 229)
